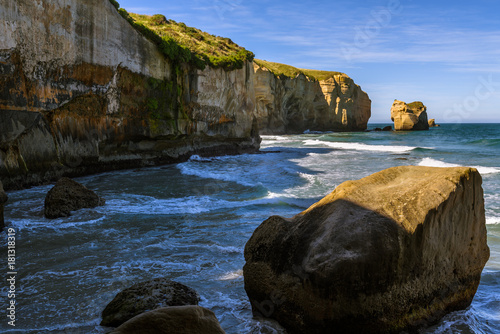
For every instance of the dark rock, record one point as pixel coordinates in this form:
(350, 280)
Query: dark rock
(3, 200)
(68, 195)
(173, 320)
(394, 251)
(387, 128)
(377, 129)
(146, 296)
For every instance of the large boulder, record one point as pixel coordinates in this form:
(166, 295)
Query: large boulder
(393, 251)
(173, 320)
(147, 296)
(68, 195)
(3, 199)
(411, 116)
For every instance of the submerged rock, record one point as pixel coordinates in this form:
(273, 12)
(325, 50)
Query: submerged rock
(393, 251)
(68, 195)
(173, 320)
(3, 199)
(146, 296)
(411, 116)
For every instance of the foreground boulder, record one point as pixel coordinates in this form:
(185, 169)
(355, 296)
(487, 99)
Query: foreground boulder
(411, 116)
(173, 320)
(68, 195)
(3, 199)
(146, 296)
(393, 251)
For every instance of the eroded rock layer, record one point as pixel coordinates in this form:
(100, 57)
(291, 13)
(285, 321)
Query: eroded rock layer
(81, 91)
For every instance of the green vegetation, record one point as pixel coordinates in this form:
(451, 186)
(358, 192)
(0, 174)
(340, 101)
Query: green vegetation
(181, 43)
(291, 72)
(415, 105)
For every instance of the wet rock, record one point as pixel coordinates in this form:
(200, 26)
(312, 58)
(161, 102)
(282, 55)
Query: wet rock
(68, 195)
(146, 296)
(3, 199)
(411, 116)
(173, 320)
(393, 251)
(387, 128)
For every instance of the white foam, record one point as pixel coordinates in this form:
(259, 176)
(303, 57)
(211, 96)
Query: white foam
(203, 172)
(429, 162)
(231, 275)
(359, 146)
(492, 220)
(198, 158)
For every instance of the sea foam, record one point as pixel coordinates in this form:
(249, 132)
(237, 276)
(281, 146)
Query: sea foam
(360, 146)
(429, 162)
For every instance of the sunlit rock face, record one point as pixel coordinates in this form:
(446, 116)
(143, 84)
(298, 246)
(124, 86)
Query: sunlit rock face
(294, 105)
(411, 116)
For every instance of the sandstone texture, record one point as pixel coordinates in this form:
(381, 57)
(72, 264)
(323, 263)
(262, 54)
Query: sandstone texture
(432, 123)
(68, 195)
(294, 105)
(411, 116)
(81, 91)
(147, 296)
(390, 252)
(173, 320)
(3, 199)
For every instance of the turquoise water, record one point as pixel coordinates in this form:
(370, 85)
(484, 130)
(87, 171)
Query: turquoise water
(189, 222)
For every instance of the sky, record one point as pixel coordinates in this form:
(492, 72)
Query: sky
(443, 53)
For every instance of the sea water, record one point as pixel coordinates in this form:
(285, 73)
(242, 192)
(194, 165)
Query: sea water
(189, 222)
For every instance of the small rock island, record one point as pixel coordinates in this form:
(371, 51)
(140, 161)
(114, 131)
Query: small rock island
(411, 116)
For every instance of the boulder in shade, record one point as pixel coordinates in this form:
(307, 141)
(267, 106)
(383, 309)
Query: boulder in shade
(147, 296)
(68, 195)
(173, 320)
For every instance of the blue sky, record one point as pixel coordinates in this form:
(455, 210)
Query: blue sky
(443, 53)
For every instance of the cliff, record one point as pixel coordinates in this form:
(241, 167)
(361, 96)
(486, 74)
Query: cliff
(82, 91)
(296, 101)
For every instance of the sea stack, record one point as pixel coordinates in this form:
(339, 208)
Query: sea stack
(411, 116)
(394, 251)
(3, 199)
(432, 123)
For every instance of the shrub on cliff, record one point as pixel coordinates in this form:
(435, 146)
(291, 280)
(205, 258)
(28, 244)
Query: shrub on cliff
(180, 43)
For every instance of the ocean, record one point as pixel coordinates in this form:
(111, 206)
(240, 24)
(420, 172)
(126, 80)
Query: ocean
(189, 222)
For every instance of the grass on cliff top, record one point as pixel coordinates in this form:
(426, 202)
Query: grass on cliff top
(181, 43)
(291, 72)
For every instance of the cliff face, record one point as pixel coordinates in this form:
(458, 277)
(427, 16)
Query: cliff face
(81, 91)
(294, 105)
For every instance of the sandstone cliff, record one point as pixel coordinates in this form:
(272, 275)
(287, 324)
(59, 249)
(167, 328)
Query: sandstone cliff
(390, 252)
(411, 116)
(81, 91)
(298, 103)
